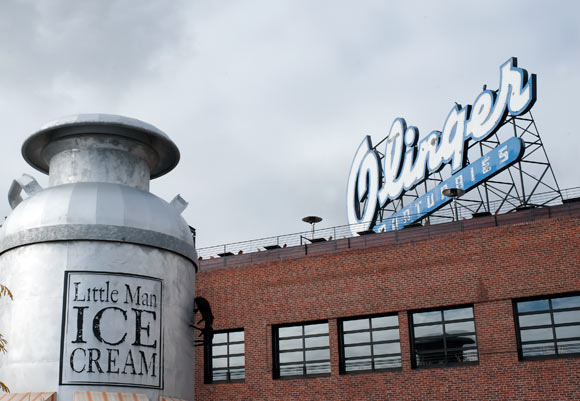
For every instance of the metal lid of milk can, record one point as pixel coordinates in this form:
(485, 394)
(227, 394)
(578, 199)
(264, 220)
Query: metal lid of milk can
(111, 124)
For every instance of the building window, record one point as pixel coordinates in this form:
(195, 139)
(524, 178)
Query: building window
(369, 344)
(548, 327)
(225, 357)
(301, 350)
(443, 337)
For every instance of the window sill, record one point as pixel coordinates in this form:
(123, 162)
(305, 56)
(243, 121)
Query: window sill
(302, 377)
(361, 372)
(450, 365)
(548, 357)
(226, 382)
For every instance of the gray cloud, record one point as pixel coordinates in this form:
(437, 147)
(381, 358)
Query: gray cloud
(108, 44)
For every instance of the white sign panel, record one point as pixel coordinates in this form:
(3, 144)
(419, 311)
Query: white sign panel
(112, 330)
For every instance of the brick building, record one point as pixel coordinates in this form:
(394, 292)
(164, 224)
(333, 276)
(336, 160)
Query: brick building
(483, 309)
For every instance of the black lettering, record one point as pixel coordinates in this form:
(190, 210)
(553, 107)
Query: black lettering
(97, 325)
(131, 364)
(143, 364)
(112, 361)
(114, 297)
(72, 360)
(139, 328)
(130, 296)
(153, 299)
(77, 292)
(80, 320)
(94, 359)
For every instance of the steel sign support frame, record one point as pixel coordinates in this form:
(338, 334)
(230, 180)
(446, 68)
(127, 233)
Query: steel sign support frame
(513, 189)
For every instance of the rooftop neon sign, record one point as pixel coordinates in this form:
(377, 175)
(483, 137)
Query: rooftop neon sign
(408, 162)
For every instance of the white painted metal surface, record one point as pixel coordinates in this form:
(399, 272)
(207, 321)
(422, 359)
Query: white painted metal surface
(96, 230)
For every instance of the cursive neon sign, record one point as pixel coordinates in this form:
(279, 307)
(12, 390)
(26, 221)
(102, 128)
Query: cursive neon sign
(408, 162)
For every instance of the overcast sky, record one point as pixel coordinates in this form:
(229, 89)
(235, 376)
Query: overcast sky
(269, 100)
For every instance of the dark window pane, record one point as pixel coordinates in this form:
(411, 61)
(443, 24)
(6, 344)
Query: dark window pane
(386, 335)
(219, 375)
(361, 350)
(569, 347)
(385, 321)
(458, 341)
(562, 324)
(219, 350)
(292, 370)
(454, 356)
(359, 324)
(367, 357)
(220, 338)
(536, 334)
(432, 358)
(470, 355)
(428, 344)
(459, 356)
(237, 361)
(237, 348)
(307, 353)
(447, 343)
(389, 348)
(236, 336)
(567, 317)
(426, 317)
(461, 327)
(533, 306)
(353, 338)
(317, 368)
(531, 350)
(220, 362)
(568, 332)
(293, 331)
(387, 362)
(566, 302)
(237, 373)
(456, 314)
(535, 320)
(426, 331)
(295, 356)
(321, 328)
(294, 343)
(318, 355)
(354, 365)
(311, 342)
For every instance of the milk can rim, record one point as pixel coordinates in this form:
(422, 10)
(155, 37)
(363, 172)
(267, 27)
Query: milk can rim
(125, 126)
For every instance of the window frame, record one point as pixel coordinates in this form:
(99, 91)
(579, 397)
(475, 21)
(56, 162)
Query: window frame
(554, 341)
(444, 336)
(208, 359)
(276, 350)
(342, 345)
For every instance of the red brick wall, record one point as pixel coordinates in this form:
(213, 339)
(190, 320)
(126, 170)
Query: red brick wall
(486, 267)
